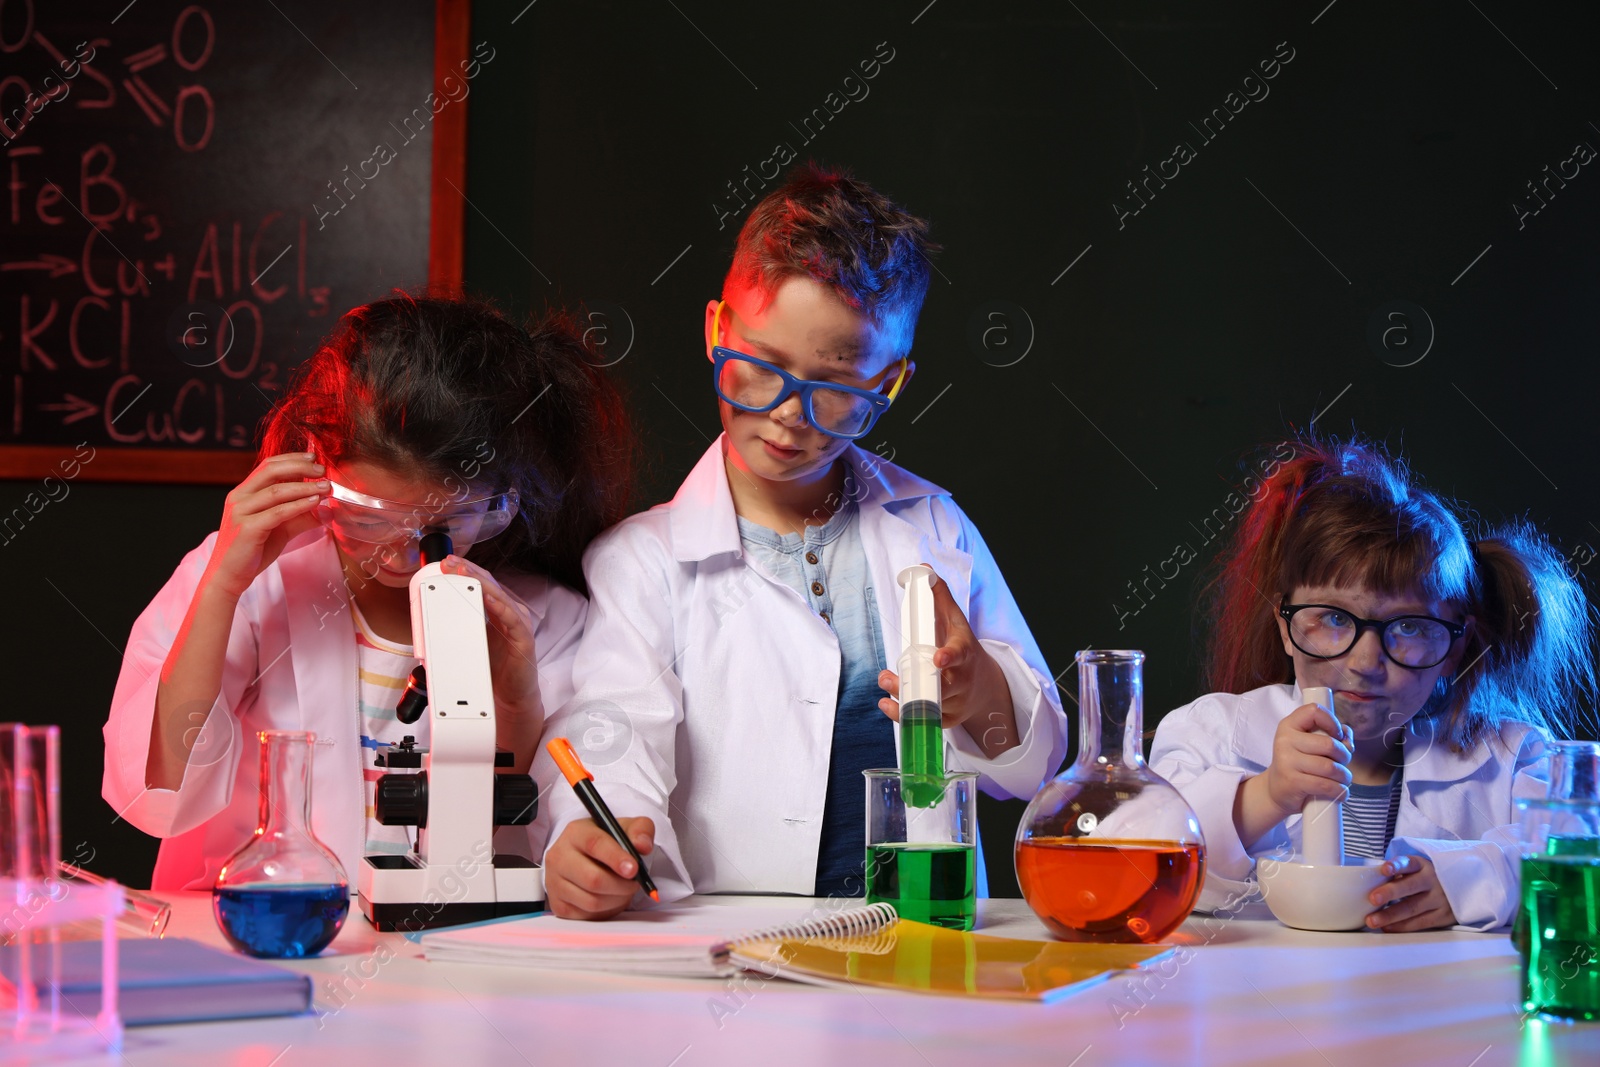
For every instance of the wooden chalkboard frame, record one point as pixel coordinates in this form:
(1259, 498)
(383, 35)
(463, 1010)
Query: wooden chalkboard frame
(446, 248)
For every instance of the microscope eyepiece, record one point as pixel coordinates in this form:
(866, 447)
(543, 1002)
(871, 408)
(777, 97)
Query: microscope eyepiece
(435, 546)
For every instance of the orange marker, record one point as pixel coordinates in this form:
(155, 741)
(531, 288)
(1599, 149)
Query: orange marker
(582, 783)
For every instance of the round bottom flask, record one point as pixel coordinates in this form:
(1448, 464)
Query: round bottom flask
(283, 895)
(1108, 851)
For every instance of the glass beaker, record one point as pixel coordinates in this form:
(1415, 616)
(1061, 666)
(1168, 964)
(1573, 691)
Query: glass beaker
(1108, 851)
(283, 895)
(1557, 928)
(922, 846)
(37, 1015)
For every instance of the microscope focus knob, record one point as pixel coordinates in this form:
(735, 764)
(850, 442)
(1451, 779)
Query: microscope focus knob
(414, 701)
(402, 800)
(516, 800)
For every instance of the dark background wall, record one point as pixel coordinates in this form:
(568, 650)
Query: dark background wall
(1089, 378)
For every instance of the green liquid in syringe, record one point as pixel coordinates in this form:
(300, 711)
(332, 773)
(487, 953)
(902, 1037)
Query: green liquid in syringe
(922, 752)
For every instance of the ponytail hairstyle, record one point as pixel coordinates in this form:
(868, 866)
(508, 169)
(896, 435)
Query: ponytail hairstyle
(453, 391)
(1348, 514)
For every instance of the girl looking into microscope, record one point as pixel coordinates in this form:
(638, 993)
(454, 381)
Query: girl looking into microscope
(416, 414)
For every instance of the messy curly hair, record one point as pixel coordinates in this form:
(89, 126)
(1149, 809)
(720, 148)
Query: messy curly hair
(1347, 513)
(824, 224)
(454, 391)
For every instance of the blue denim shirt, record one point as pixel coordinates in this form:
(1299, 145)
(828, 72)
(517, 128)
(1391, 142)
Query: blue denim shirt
(828, 567)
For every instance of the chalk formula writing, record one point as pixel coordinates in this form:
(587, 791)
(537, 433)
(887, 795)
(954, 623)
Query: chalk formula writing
(160, 275)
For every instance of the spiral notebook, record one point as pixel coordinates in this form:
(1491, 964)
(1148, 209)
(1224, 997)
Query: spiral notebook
(683, 940)
(863, 947)
(918, 958)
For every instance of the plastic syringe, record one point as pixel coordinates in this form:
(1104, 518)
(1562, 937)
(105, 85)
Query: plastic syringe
(921, 731)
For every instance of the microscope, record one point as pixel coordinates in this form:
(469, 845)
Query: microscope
(449, 791)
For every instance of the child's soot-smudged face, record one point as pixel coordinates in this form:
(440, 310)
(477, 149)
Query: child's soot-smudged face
(807, 330)
(1372, 694)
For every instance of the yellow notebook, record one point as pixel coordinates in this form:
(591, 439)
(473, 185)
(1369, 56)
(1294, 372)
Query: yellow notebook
(919, 958)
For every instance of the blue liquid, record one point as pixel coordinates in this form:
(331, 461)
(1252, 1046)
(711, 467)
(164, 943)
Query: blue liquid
(281, 922)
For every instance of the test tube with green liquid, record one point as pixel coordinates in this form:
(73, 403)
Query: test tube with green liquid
(921, 730)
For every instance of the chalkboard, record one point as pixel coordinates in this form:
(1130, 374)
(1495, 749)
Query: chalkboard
(195, 192)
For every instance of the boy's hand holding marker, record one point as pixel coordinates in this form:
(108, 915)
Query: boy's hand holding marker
(596, 865)
(587, 875)
(973, 689)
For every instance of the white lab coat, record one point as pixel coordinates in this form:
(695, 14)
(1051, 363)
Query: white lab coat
(707, 687)
(1455, 809)
(291, 665)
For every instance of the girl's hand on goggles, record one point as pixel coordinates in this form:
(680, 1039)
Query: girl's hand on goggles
(263, 513)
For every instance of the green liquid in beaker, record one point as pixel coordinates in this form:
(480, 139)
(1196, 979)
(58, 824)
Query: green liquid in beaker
(1561, 918)
(935, 884)
(922, 752)
(1554, 845)
(1565, 845)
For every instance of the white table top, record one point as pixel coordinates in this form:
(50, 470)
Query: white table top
(1249, 991)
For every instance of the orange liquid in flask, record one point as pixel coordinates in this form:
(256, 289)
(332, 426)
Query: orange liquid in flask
(1109, 890)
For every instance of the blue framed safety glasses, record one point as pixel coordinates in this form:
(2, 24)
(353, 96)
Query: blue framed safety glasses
(751, 384)
(842, 411)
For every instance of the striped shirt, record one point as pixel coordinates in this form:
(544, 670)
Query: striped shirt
(383, 667)
(1369, 817)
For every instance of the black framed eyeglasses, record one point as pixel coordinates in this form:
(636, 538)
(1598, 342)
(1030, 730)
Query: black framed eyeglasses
(1415, 642)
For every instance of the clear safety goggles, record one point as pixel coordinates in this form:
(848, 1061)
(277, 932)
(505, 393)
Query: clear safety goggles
(373, 520)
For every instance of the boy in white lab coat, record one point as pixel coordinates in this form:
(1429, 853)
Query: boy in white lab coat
(731, 684)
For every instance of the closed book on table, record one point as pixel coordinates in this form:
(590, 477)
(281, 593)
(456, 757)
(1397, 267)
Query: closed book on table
(171, 980)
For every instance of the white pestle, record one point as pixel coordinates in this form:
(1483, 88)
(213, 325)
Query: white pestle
(1321, 889)
(1322, 821)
